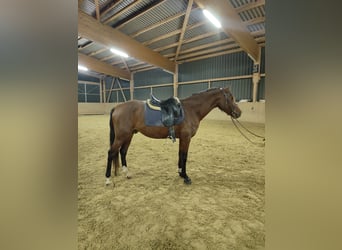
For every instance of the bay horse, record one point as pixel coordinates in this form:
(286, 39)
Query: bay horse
(127, 118)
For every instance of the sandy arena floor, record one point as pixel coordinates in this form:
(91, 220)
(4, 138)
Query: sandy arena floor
(223, 208)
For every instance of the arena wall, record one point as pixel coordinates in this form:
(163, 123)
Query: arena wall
(94, 108)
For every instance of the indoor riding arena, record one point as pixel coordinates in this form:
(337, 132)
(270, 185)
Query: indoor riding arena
(209, 194)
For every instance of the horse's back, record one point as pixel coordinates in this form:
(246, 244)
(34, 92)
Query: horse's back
(128, 113)
(128, 107)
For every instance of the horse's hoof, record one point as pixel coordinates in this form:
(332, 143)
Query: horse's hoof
(108, 181)
(187, 181)
(182, 175)
(129, 177)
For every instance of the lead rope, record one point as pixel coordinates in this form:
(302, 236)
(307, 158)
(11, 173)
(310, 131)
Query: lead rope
(261, 144)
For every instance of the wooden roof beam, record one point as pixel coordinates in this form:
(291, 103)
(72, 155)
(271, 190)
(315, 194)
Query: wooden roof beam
(126, 65)
(144, 68)
(86, 46)
(109, 8)
(185, 24)
(189, 40)
(98, 66)
(173, 33)
(249, 6)
(97, 52)
(93, 30)
(156, 4)
(207, 45)
(208, 51)
(155, 25)
(258, 33)
(211, 55)
(254, 21)
(129, 6)
(232, 25)
(204, 46)
(107, 57)
(97, 8)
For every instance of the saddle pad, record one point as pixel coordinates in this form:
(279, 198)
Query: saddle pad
(154, 117)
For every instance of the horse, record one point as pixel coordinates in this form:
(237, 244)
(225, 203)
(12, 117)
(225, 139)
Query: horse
(127, 118)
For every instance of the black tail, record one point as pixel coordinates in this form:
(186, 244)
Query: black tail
(111, 125)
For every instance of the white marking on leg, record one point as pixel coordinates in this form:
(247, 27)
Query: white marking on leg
(125, 170)
(108, 181)
(179, 170)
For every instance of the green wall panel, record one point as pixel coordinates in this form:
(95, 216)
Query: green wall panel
(235, 64)
(152, 77)
(189, 89)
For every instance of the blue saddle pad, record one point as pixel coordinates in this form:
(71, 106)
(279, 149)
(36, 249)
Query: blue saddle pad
(154, 117)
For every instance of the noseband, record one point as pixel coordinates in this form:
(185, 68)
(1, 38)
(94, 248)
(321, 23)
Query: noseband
(233, 113)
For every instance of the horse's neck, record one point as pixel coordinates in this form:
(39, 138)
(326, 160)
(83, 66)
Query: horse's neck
(202, 104)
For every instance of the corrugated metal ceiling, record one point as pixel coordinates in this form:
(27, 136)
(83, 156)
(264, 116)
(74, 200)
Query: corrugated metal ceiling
(143, 20)
(161, 30)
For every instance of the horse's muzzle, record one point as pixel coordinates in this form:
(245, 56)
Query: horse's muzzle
(236, 113)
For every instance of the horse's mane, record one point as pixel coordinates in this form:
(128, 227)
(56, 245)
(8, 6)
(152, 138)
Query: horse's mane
(206, 90)
(198, 94)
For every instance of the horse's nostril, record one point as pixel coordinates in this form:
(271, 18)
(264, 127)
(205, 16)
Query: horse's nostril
(236, 114)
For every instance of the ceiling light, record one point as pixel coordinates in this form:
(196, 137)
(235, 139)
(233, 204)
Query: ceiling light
(80, 67)
(119, 52)
(212, 19)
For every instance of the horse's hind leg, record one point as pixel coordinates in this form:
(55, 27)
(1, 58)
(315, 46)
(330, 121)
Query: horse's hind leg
(113, 153)
(123, 153)
(109, 166)
(116, 164)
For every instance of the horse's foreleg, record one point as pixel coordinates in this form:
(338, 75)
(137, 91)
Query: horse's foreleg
(183, 155)
(123, 153)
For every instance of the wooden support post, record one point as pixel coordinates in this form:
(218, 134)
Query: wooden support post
(104, 90)
(255, 79)
(100, 91)
(175, 82)
(123, 94)
(110, 90)
(131, 86)
(256, 76)
(85, 93)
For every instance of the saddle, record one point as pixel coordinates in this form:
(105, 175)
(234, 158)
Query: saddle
(165, 113)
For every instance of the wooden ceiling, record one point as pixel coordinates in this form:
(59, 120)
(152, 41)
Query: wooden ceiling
(163, 33)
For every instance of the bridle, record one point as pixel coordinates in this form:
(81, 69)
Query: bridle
(232, 107)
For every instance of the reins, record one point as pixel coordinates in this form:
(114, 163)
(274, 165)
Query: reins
(262, 144)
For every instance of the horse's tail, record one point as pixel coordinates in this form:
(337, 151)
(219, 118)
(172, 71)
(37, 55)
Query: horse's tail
(111, 125)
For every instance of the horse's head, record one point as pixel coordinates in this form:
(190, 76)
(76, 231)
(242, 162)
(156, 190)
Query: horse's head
(227, 103)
